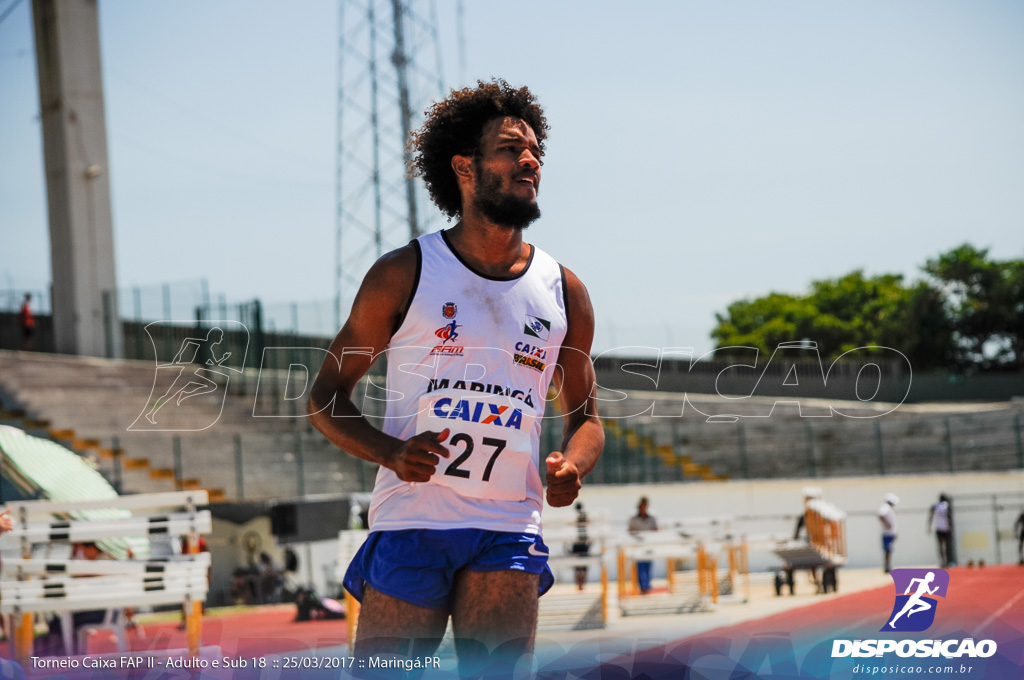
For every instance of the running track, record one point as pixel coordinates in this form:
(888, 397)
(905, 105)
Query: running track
(257, 632)
(985, 603)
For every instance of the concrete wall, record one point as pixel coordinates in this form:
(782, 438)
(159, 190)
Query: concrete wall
(795, 377)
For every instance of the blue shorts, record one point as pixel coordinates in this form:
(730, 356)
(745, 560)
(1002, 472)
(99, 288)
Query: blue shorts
(419, 565)
(887, 543)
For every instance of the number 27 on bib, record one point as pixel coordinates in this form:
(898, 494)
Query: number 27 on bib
(490, 442)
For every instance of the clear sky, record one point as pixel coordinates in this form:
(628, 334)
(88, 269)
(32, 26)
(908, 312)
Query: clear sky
(700, 152)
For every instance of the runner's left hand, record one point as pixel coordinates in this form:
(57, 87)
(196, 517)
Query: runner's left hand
(563, 480)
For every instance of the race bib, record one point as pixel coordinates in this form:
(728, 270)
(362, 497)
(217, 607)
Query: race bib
(489, 444)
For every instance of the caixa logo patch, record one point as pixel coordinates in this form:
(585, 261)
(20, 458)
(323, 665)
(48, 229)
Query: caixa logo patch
(473, 411)
(914, 610)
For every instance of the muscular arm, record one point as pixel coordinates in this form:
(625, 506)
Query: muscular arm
(378, 307)
(583, 436)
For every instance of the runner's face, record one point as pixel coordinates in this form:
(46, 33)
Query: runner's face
(507, 173)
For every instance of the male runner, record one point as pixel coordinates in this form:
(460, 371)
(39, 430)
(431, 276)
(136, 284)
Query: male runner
(455, 516)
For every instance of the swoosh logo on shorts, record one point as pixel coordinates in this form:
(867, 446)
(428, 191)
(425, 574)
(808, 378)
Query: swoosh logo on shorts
(533, 551)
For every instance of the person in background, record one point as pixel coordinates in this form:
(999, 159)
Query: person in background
(271, 579)
(1018, 528)
(940, 520)
(581, 548)
(6, 524)
(201, 547)
(28, 323)
(887, 517)
(800, 531)
(86, 551)
(642, 521)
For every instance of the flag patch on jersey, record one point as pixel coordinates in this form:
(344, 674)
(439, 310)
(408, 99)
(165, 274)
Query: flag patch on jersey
(537, 327)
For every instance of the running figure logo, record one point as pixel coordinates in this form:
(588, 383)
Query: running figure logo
(914, 610)
(448, 332)
(200, 367)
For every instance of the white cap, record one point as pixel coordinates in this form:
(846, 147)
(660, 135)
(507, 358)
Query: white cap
(892, 498)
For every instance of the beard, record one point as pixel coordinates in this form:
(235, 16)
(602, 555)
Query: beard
(503, 209)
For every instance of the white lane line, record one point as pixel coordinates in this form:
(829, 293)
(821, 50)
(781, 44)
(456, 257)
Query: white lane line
(855, 626)
(1002, 610)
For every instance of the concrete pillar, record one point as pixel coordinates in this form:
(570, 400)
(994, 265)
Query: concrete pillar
(85, 318)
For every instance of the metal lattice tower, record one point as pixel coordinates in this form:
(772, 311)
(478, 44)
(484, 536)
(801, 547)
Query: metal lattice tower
(389, 71)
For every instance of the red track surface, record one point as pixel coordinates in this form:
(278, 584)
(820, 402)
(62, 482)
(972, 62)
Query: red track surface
(980, 602)
(986, 603)
(257, 632)
(983, 603)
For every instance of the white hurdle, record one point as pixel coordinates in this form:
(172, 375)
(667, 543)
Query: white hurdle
(564, 609)
(31, 585)
(700, 543)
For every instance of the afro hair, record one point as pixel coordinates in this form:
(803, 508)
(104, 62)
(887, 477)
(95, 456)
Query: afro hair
(454, 127)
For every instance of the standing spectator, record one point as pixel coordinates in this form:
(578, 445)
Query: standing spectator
(28, 323)
(642, 521)
(887, 516)
(940, 520)
(1018, 528)
(581, 548)
(810, 493)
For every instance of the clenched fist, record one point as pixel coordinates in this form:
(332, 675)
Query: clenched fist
(563, 480)
(416, 459)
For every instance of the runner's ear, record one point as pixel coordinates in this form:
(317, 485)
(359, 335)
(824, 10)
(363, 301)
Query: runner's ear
(462, 166)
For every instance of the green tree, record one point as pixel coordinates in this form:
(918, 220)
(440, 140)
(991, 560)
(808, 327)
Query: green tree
(843, 314)
(764, 322)
(984, 301)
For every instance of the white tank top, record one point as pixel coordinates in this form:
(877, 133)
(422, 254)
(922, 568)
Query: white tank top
(942, 516)
(474, 354)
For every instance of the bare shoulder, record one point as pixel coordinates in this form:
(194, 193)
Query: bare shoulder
(581, 309)
(391, 276)
(386, 288)
(394, 270)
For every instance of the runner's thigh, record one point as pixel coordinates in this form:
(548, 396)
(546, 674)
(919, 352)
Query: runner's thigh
(387, 625)
(494, 607)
